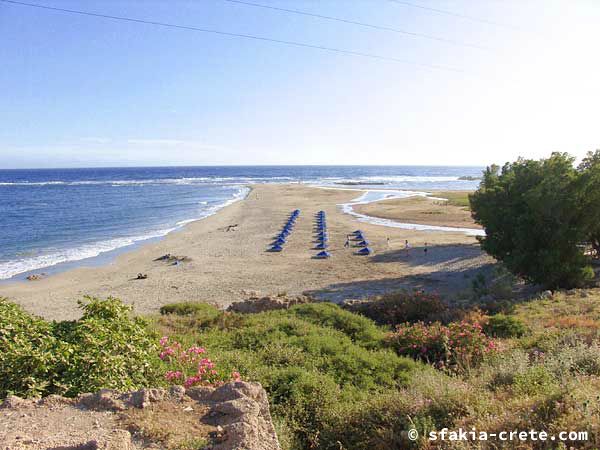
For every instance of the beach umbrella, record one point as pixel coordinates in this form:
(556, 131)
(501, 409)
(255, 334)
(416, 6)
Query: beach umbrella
(321, 246)
(322, 234)
(363, 243)
(322, 238)
(356, 232)
(280, 241)
(323, 255)
(364, 251)
(276, 248)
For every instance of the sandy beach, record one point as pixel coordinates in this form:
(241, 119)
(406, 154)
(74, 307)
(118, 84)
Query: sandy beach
(420, 210)
(227, 266)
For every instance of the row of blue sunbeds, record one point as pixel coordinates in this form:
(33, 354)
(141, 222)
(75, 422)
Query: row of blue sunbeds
(288, 227)
(321, 235)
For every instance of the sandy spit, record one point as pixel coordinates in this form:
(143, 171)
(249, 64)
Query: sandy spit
(227, 266)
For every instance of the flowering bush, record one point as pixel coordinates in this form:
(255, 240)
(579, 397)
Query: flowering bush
(190, 366)
(460, 345)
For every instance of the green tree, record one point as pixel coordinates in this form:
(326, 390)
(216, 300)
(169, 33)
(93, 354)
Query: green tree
(589, 198)
(532, 214)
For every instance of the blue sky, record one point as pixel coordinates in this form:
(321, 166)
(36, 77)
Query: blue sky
(78, 91)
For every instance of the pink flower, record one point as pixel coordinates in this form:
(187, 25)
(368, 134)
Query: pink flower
(171, 375)
(163, 341)
(235, 376)
(192, 380)
(166, 352)
(196, 350)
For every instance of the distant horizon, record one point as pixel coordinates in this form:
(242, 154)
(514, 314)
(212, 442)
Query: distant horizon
(246, 165)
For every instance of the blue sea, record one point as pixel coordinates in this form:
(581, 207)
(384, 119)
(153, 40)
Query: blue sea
(52, 219)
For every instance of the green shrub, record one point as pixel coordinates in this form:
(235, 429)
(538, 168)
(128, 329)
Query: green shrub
(536, 380)
(404, 306)
(29, 353)
(431, 401)
(458, 346)
(576, 358)
(106, 348)
(312, 359)
(360, 329)
(199, 309)
(503, 326)
(499, 369)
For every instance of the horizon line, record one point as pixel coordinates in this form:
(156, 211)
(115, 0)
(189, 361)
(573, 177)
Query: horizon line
(243, 165)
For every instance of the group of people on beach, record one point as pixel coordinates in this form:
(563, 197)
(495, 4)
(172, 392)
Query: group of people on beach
(406, 244)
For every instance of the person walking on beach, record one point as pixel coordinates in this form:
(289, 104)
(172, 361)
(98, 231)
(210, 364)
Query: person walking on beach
(347, 243)
(407, 246)
(388, 242)
(425, 249)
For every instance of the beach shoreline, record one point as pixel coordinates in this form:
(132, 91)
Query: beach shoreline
(226, 266)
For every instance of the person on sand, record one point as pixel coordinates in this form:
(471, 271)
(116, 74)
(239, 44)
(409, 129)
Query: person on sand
(347, 243)
(407, 246)
(388, 242)
(425, 248)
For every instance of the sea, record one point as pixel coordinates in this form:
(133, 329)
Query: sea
(55, 219)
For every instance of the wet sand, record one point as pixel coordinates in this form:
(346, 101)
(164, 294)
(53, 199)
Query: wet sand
(229, 266)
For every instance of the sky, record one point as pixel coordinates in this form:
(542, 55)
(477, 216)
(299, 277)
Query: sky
(520, 78)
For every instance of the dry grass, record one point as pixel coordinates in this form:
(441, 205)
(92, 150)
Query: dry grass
(176, 425)
(455, 198)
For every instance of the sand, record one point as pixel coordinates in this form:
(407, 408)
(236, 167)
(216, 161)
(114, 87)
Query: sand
(420, 210)
(228, 266)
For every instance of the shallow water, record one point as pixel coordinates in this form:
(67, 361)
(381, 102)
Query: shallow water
(375, 196)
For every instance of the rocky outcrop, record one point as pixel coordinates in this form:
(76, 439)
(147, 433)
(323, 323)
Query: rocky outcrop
(236, 416)
(256, 304)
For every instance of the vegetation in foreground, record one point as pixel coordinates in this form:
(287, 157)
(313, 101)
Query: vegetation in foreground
(336, 379)
(106, 348)
(334, 385)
